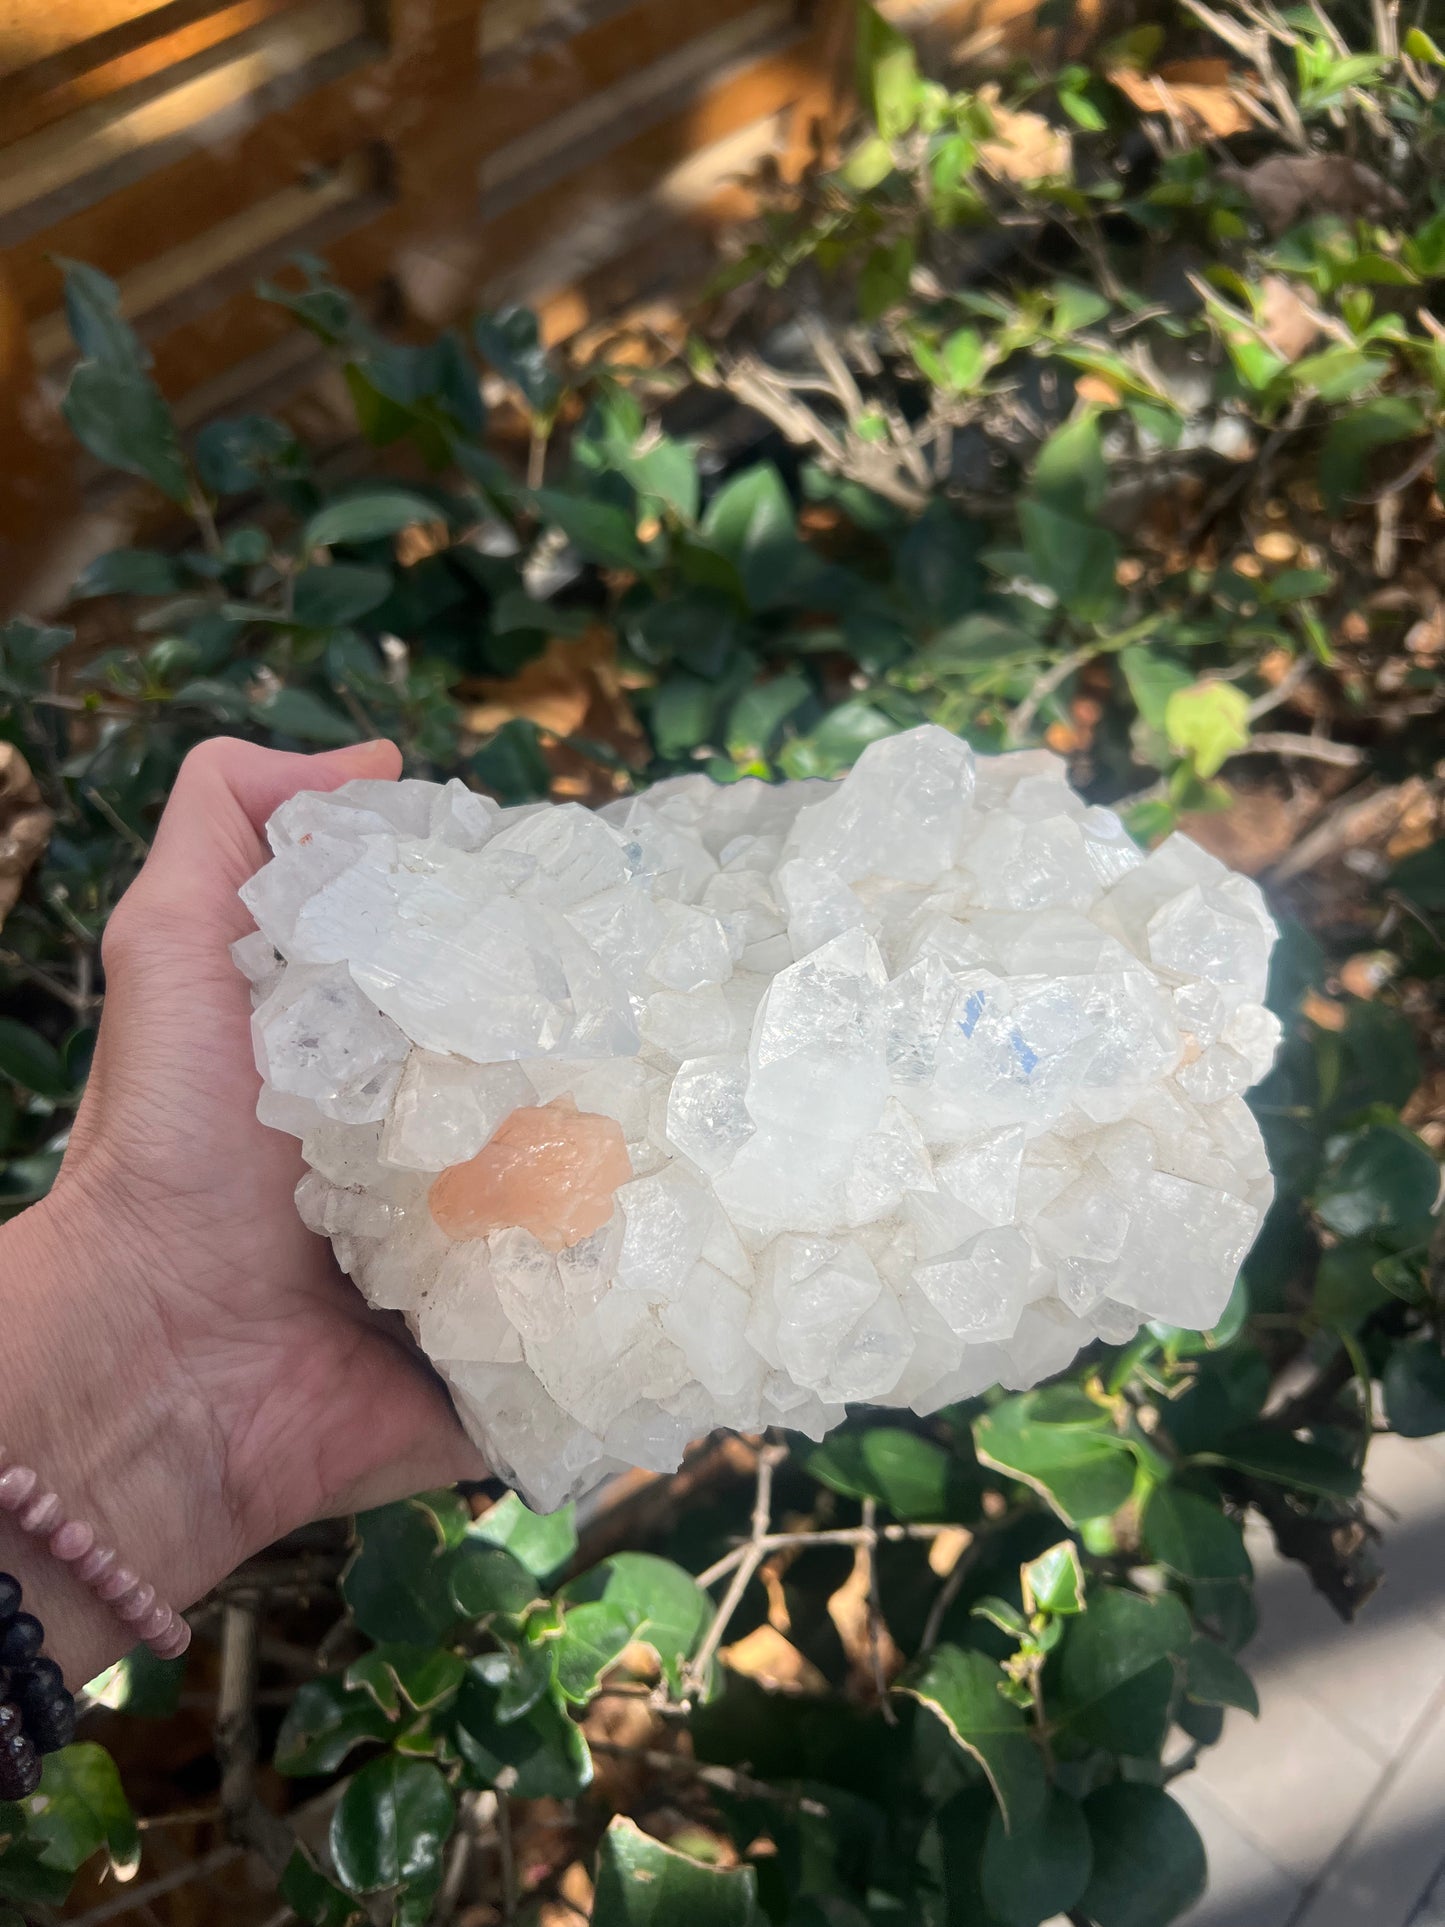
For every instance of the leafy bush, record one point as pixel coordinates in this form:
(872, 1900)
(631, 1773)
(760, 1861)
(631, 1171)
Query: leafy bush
(1077, 431)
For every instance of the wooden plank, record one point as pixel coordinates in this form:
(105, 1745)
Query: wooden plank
(29, 34)
(79, 160)
(415, 241)
(157, 42)
(172, 286)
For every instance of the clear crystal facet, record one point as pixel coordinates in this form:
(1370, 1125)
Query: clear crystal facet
(729, 1105)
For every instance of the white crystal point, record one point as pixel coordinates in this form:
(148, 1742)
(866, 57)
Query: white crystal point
(727, 1106)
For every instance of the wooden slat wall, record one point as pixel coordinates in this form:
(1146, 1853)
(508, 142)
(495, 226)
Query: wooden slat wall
(438, 152)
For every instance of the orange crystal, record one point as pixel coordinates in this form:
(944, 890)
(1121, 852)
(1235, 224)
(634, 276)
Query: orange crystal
(551, 1169)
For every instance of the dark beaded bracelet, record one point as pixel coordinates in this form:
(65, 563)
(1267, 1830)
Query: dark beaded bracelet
(37, 1714)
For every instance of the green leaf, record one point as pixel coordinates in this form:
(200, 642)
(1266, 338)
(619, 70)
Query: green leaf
(887, 74)
(594, 1635)
(512, 765)
(314, 1898)
(1054, 1581)
(1154, 681)
(323, 1723)
(236, 456)
(1148, 1860)
(543, 1751)
(751, 521)
(543, 1541)
(966, 1691)
(81, 1808)
(669, 1610)
(1061, 1446)
(366, 516)
(1353, 438)
(511, 341)
(1074, 558)
(1213, 1677)
(838, 741)
(327, 598)
(139, 1684)
(1117, 1672)
(296, 712)
(397, 1582)
(1071, 474)
(1288, 1461)
(488, 1579)
(129, 572)
(886, 277)
(29, 1061)
(1209, 722)
(1385, 1180)
(391, 1825)
(1414, 1382)
(121, 417)
(1420, 46)
(681, 714)
(914, 1477)
(1192, 1537)
(422, 1676)
(92, 313)
(641, 1883)
(600, 531)
(665, 471)
(1040, 1869)
(760, 712)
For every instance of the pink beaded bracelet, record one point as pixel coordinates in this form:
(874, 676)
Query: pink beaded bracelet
(72, 1542)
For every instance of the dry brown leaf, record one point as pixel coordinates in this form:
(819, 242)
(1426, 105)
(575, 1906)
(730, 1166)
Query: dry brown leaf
(774, 1662)
(1276, 545)
(1289, 325)
(1204, 96)
(1286, 187)
(1366, 973)
(870, 1649)
(1323, 1012)
(25, 825)
(1023, 146)
(947, 1548)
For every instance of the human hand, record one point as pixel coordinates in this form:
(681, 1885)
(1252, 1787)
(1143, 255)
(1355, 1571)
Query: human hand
(197, 1377)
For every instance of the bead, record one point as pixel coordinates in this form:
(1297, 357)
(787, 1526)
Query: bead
(97, 1561)
(135, 1605)
(16, 1486)
(155, 1625)
(71, 1541)
(42, 1679)
(19, 1768)
(175, 1642)
(9, 1595)
(52, 1724)
(43, 1514)
(21, 1640)
(116, 1583)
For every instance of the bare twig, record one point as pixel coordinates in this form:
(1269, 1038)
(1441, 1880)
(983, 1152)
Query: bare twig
(1315, 749)
(726, 1779)
(135, 1898)
(946, 1595)
(506, 1850)
(875, 1612)
(1044, 686)
(1288, 683)
(247, 1821)
(753, 1555)
(831, 1536)
(116, 821)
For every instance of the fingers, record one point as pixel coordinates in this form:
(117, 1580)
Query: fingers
(227, 790)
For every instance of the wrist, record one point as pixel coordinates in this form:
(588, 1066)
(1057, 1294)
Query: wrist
(95, 1403)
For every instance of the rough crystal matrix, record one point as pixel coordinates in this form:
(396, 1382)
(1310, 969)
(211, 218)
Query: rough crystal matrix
(726, 1105)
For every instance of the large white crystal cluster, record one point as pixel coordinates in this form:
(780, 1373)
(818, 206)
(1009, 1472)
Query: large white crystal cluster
(727, 1105)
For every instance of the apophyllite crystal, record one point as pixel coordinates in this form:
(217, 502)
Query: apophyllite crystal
(727, 1105)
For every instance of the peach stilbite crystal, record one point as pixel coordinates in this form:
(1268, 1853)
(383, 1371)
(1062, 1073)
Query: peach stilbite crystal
(550, 1168)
